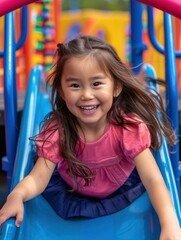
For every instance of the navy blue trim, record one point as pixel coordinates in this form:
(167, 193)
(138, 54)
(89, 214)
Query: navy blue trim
(72, 204)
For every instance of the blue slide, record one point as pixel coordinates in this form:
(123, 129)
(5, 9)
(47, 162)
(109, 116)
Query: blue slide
(138, 221)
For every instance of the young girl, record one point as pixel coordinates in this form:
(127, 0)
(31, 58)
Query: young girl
(100, 133)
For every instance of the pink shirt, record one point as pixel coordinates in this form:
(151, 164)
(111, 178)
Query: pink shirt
(111, 157)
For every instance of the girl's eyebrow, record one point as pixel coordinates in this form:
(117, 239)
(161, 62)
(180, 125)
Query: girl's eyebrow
(70, 79)
(99, 76)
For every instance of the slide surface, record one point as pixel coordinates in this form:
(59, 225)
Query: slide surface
(138, 221)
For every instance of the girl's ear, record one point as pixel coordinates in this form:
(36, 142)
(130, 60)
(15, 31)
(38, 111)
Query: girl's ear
(118, 90)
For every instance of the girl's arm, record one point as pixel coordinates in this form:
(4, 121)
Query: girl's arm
(31, 186)
(159, 195)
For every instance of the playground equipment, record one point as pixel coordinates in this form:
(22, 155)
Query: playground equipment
(41, 21)
(20, 36)
(170, 73)
(40, 221)
(10, 93)
(47, 25)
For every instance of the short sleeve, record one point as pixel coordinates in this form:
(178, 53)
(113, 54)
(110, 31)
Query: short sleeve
(136, 138)
(47, 145)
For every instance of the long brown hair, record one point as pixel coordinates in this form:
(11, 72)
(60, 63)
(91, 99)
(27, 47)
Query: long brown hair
(133, 100)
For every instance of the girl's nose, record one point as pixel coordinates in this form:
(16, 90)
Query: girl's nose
(87, 94)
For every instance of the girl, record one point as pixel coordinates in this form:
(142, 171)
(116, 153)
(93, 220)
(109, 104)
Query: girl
(100, 133)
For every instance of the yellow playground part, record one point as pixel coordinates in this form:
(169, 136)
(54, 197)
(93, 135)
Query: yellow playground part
(115, 28)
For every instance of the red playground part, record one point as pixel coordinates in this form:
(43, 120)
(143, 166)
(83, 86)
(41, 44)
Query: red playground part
(171, 6)
(6, 6)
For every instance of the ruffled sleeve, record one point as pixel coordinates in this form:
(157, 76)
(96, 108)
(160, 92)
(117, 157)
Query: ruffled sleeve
(47, 145)
(136, 138)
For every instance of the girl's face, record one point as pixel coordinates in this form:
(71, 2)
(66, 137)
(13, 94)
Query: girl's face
(88, 91)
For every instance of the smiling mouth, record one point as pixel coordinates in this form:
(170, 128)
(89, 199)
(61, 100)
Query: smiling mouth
(89, 108)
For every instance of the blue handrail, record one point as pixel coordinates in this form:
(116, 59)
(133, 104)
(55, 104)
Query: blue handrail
(170, 67)
(163, 155)
(24, 30)
(36, 86)
(24, 158)
(10, 91)
(152, 35)
(171, 91)
(10, 94)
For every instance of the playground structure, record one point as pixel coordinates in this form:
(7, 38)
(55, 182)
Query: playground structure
(47, 26)
(40, 42)
(131, 220)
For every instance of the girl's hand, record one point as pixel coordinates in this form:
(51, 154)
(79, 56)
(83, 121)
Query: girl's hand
(31, 186)
(170, 233)
(159, 195)
(13, 207)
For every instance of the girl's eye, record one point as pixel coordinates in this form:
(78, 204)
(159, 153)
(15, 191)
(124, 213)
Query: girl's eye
(96, 84)
(74, 85)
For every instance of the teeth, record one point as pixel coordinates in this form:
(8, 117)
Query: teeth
(90, 108)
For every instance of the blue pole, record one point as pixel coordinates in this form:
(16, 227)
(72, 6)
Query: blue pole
(172, 91)
(24, 30)
(136, 10)
(24, 27)
(152, 35)
(10, 94)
